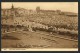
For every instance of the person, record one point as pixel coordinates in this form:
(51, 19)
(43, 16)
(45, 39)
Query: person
(15, 29)
(50, 29)
(7, 29)
(4, 31)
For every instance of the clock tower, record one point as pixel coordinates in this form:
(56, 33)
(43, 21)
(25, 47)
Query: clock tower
(12, 14)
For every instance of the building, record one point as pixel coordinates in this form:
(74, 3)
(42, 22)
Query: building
(55, 12)
(7, 16)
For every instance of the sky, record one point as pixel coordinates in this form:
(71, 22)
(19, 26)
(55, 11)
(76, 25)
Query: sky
(63, 6)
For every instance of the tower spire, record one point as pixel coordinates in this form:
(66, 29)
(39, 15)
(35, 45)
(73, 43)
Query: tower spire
(12, 6)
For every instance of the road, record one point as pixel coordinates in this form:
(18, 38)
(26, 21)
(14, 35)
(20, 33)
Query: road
(36, 40)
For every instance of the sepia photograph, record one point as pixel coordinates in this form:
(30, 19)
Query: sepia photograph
(39, 25)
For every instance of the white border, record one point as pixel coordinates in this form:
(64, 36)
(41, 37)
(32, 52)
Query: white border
(24, 49)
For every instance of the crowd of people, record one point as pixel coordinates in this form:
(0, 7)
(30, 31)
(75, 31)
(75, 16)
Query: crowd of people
(51, 23)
